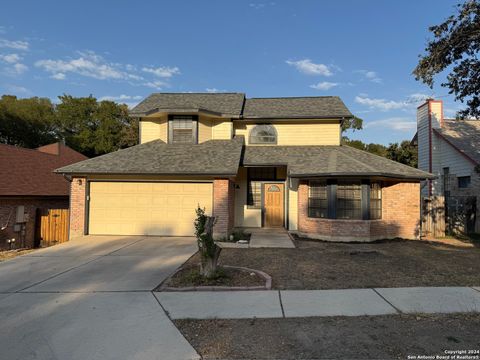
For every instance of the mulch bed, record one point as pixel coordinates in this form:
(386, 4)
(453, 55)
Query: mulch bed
(365, 337)
(189, 275)
(326, 265)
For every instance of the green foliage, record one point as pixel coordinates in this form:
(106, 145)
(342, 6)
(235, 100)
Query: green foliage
(94, 128)
(403, 153)
(86, 125)
(455, 46)
(354, 123)
(27, 122)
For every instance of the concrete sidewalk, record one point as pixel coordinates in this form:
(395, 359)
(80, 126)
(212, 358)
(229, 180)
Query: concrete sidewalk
(310, 303)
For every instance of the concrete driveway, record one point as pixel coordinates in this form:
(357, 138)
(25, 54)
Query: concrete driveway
(91, 298)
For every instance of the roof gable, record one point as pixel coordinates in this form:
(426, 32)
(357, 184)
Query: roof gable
(463, 136)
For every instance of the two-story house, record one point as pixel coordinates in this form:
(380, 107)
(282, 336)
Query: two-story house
(450, 149)
(260, 162)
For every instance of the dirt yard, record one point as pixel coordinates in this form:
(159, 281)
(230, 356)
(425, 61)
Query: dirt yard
(9, 254)
(374, 337)
(322, 265)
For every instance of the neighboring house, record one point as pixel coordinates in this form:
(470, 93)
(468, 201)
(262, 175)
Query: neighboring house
(28, 183)
(263, 162)
(450, 149)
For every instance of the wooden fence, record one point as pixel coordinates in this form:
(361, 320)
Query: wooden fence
(51, 227)
(433, 216)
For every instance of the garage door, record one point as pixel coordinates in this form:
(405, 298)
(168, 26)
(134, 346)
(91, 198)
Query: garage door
(146, 208)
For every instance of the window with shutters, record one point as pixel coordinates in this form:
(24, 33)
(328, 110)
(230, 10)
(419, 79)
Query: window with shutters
(182, 129)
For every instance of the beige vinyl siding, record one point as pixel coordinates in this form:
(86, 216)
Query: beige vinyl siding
(146, 208)
(293, 205)
(204, 129)
(423, 143)
(298, 132)
(222, 129)
(153, 129)
(244, 217)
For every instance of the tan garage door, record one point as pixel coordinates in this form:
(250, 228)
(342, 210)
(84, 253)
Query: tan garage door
(146, 208)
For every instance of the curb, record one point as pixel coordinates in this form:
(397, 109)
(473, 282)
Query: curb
(265, 276)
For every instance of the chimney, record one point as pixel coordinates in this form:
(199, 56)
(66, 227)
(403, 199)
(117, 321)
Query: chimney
(429, 117)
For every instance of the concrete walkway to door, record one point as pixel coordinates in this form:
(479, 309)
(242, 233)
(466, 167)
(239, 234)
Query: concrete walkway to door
(270, 238)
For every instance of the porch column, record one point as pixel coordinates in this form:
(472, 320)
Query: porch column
(78, 188)
(223, 207)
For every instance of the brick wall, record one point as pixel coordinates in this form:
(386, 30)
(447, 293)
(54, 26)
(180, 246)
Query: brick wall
(223, 207)
(26, 236)
(400, 217)
(78, 188)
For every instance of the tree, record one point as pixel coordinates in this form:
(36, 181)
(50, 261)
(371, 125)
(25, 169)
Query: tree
(456, 42)
(27, 122)
(404, 153)
(95, 128)
(354, 123)
(209, 251)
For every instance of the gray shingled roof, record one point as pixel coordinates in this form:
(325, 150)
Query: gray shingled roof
(296, 107)
(214, 157)
(219, 103)
(464, 135)
(304, 161)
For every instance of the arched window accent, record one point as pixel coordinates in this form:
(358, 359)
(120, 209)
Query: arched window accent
(273, 188)
(263, 134)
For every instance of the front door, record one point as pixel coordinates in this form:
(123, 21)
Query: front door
(273, 203)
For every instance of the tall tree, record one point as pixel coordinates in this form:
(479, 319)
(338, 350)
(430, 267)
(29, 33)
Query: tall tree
(456, 44)
(27, 122)
(95, 128)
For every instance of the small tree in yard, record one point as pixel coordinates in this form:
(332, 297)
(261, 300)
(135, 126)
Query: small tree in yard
(209, 251)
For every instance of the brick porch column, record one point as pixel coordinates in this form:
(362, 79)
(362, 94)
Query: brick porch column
(223, 207)
(78, 188)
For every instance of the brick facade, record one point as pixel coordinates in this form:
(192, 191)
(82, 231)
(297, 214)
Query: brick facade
(223, 207)
(78, 188)
(26, 236)
(400, 217)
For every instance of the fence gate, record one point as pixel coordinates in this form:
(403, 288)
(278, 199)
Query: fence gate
(51, 227)
(433, 216)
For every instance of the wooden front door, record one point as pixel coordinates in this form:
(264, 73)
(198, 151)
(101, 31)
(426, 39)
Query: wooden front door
(273, 203)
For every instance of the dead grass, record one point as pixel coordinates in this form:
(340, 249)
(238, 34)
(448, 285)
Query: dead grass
(323, 265)
(10, 254)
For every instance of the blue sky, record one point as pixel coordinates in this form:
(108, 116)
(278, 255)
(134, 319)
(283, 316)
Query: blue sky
(362, 51)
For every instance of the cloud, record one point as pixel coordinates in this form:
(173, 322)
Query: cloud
(87, 64)
(17, 45)
(58, 76)
(214, 90)
(405, 124)
(325, 85)
(306, 66)
(122, 97)
(19, 69)
(162, 71)
(381, 104)
(370, 75)
(10, 58)
(258, 6)
(129, 100)
(16, 89)
(92, 65)
(156, 84)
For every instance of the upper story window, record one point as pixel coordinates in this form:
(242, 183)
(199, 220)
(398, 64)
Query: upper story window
(182, 129)
(263, 134)
(463, 182)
